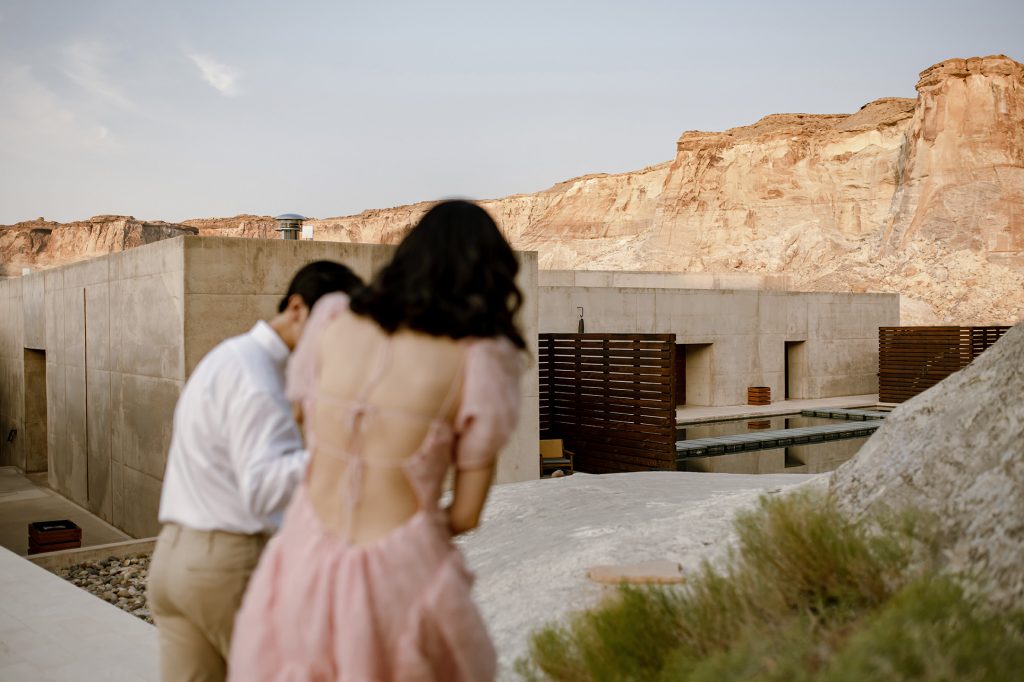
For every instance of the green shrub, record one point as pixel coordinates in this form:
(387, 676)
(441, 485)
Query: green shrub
(806, 594)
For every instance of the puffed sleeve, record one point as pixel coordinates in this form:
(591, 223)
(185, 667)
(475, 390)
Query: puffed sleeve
(490, 402)
(303, 364)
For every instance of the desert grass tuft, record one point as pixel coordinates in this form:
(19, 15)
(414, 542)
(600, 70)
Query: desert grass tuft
(806, 594)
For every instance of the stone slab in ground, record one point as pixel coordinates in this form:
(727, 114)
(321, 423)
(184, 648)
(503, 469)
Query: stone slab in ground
(643, 573)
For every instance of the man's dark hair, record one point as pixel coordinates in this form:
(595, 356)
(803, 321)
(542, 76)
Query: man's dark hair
(319, 278)
(453, 275)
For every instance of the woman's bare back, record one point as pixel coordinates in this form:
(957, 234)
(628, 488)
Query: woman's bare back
(395, 386)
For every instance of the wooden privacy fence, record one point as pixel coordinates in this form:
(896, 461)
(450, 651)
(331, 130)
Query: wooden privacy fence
(610, 398)
(913, 359)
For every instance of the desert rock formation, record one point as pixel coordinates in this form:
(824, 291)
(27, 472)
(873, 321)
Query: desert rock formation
(956, 451)
(251, 226)
(924, 197)
(40, 243)
(921, 196)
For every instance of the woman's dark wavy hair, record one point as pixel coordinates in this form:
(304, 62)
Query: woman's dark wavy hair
(453, 275)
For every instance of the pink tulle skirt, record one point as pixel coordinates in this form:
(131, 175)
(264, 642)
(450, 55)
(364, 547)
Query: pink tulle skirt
(397, 609)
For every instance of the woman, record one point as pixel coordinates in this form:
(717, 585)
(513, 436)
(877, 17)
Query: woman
(418, 373)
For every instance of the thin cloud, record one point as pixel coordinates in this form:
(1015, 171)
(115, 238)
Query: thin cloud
(86, 65)
(223, 78)
(38, 122)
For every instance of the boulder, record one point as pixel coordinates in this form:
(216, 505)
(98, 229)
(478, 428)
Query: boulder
(956, 451)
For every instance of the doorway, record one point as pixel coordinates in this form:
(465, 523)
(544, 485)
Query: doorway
(35, 411)
(680, 374)
(795, 370)
(697, 373)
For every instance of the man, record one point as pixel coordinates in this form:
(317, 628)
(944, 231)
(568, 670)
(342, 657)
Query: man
(236, 456)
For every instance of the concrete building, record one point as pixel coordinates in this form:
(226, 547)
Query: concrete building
(93, 356)
(732, 331)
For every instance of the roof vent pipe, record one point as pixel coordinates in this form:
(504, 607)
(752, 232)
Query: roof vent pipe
(289, 225)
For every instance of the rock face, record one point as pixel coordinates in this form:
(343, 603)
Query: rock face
(962, 171)
(251, 226)
(41, 243)
(923, 196)
(957, 451)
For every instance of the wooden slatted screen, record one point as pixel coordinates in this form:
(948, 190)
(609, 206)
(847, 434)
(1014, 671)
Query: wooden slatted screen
(611, 399)
(913, 359)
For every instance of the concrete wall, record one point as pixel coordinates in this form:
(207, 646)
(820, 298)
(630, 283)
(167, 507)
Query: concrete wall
(12, 374)
(114, 367)
(748, 330)
(664, 280)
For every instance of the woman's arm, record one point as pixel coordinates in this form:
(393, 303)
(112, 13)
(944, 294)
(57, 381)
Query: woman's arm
(470, 494)
(487, 416)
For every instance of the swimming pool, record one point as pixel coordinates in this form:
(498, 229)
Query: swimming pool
(810, 458)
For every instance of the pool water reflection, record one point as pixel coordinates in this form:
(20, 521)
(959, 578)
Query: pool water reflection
(798, 459)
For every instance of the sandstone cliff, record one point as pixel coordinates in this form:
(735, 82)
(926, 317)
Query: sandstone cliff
(251, 226)
(921, 196)
(41, 243)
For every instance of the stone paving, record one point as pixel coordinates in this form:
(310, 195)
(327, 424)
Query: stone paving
(22, 502)
(52, 631)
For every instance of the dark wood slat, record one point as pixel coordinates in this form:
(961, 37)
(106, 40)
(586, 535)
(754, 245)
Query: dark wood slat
(612, 376)
(913, 359)
(611, 398)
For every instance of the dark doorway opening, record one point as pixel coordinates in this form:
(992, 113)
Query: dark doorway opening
(693, 374)
(680, 374)
(35, 411)
(795, 370)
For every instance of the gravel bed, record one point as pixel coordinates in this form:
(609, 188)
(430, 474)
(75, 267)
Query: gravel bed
(119, 581)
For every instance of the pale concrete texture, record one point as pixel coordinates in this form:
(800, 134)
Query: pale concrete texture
(660, 280)
(114, 365)
(736, 338)
(12, 374)
(52, 631)
(93, 356)
(23, 502)
(538, 539)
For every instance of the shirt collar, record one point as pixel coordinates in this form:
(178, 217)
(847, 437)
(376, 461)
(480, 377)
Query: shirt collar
(268, 339)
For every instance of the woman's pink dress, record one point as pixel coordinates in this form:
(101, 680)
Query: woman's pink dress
(399, 608)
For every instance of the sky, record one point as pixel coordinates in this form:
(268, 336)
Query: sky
(183, 109)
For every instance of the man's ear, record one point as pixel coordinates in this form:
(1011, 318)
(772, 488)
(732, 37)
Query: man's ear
(296, 305)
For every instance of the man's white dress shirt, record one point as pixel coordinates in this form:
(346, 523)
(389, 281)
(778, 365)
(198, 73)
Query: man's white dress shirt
(236, 453)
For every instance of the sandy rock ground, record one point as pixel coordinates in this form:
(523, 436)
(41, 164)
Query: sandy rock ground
(538, 538)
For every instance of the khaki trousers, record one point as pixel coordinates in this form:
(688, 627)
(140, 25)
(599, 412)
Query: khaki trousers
(196, 583)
